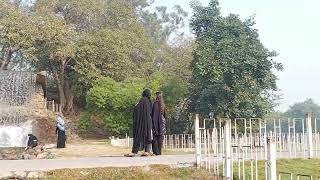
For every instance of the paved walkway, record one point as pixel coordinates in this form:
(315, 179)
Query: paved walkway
(51, 164)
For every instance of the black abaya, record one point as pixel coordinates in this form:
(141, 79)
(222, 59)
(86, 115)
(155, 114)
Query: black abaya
(32, 141)
(158, 126)
(142, 126)
(61, 142)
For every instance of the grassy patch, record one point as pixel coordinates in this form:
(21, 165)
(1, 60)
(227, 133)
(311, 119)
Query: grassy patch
(295, 166)
(154, 172)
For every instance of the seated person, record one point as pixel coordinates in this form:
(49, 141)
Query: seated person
(32, 141)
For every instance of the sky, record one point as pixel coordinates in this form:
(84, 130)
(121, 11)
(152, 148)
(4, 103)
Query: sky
(291, 28)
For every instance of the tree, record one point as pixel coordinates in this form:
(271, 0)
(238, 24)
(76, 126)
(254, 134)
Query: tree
(55, 51)
(296, 112)
(114, 53)
(231, 69)
(17, 34)
(175, 67)
(82, 41)
(300, 109)
(161, 23)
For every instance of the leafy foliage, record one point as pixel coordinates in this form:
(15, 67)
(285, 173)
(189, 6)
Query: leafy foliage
(82, 41)
(232, 70)
(115, 53)
(300, 109)
(114, 102)
(17, 35)
(160, 24)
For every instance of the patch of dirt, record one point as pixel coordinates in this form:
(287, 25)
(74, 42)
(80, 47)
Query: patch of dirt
(89, 148)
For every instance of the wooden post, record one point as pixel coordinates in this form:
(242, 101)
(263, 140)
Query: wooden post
(197, 138)
(309, 135)
(272, 160)
(227, 148)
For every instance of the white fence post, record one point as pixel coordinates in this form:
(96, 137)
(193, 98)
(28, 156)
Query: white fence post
(197, 139)
(309, 132)
(272, 160)
(227, 148)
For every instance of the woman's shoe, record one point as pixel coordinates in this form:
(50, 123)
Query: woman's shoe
(131, 155)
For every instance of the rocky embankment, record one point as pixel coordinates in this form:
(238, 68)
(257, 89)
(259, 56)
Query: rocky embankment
(21, 153)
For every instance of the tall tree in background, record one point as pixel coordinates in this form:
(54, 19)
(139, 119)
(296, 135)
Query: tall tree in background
(17, 34)
(300, 109)
(173, 56)
(232, 70)
(162, 23)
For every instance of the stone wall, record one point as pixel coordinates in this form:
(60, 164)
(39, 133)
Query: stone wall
(37, 101)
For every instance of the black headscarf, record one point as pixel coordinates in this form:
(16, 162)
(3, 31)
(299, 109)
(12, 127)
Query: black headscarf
(147, 93)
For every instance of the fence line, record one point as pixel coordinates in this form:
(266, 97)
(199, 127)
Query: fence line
(52, 105)
(230, 153)
(179, 142)
(288, 145)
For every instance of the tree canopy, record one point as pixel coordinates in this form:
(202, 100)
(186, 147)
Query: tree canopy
(100, 54)
(232, 70)
(300, 109)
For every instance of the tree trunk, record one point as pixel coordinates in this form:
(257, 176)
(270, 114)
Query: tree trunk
(69, 98)
(6, 59)
(60, 85)
(59, 77)
(64, 88)
(69, 104)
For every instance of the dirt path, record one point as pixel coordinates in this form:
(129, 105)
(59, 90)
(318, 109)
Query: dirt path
(52, 164)
(95, 148)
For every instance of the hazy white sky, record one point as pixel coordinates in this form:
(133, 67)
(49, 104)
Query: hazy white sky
(290, 27)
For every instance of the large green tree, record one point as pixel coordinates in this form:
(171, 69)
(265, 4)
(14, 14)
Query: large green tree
(17, 34)
(81, 41)
(232, 70)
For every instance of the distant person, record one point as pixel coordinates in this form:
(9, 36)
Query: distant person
(60, 130)
(142, 126)
(159, 117)
(32, 141)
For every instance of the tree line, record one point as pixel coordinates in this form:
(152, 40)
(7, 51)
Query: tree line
(100, 55)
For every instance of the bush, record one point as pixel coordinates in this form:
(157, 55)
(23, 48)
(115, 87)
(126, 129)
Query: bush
(84, 124)
(113, 102)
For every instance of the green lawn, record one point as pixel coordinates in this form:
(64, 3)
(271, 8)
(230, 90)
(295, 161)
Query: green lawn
(154, 172)
(160, 172)
(295, 166)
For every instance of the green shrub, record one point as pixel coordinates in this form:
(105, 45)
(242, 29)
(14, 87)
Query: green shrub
(113, 102)
(84, 124)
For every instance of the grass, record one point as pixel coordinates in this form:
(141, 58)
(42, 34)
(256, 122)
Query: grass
(295, 166)
(161, 172)
(154, 172)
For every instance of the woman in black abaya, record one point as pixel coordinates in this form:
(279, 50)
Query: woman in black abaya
(60, 130)
(159, 123)
(142, 125)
